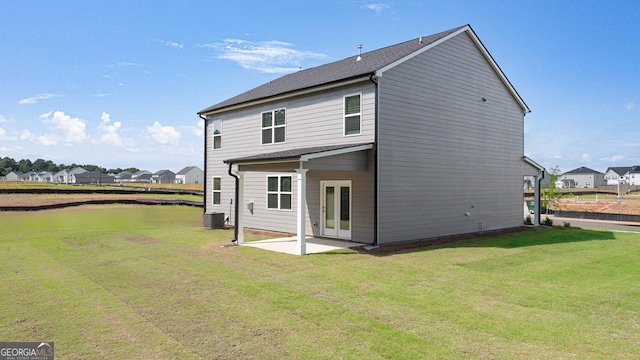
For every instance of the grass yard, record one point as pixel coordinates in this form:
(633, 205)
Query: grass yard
(137, 282)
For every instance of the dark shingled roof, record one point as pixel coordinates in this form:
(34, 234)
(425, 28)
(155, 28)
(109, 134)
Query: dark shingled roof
(341, 70)
(582, 170)
(293, 153)
(620, 170)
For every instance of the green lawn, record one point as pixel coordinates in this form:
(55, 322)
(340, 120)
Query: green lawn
(134, 282)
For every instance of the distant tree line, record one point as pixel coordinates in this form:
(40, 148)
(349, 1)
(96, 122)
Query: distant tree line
(8, 165)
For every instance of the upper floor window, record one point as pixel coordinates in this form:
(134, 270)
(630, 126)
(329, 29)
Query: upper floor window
(279, 191)
(217, 134)
(352, 115)
(273, 126)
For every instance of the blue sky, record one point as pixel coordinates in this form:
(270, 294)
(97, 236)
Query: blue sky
(118, 83)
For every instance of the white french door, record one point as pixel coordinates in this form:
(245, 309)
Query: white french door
(336, 209)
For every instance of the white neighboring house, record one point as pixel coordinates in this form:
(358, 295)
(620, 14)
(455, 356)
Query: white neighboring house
(582, 177)
(190, 175)
(67, 176)
(43, 176)
(615, 175)
(634, 175)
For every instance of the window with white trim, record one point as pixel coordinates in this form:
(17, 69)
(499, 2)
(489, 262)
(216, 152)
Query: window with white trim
(217, 190)
(217, 134)
(352, 115)
(279, 192)
(273, 126)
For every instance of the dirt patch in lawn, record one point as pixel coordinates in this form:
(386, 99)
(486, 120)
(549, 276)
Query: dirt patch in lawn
(139, 238)
(631, 208)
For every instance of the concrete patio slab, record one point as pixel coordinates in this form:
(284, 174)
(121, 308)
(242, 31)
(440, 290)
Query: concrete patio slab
(288, 245)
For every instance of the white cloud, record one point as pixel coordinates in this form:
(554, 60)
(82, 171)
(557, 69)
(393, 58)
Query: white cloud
(165, 135)
(111, 132)
(266, 57)
(34, 99)
(378, 8)
(5, 120)
(47, 139)
(127, 64)
(100, 95)
(614, 158)
(172, 44)
(3, 134)
(630, 106)
(585, 157)
(72, 129)
(26, 135)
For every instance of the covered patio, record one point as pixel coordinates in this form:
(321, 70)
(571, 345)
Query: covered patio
(343, 157)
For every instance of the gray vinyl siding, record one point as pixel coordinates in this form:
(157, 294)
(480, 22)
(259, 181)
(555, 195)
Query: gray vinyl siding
(312, 120)
(443, 151)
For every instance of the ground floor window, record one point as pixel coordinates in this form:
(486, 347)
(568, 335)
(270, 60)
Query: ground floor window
(217, 190)
(279, 192)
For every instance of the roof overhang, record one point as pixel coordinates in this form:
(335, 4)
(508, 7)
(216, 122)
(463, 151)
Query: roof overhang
(301, 154)
(533, 163)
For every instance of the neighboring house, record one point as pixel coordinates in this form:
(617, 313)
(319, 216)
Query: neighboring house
(29, 176)
(67, 176)
(417, 140)
(634, 175)
(123, 176)
(163, 177)
(529, 182)
(190, 175)
(93, 177)
(141, 176)
(14, 176)
(43, 176)
(582, 177)
(617, 175)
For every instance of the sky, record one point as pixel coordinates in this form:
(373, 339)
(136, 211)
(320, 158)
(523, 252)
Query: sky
(119, 83)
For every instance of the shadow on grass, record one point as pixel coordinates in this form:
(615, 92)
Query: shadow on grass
(507, 239)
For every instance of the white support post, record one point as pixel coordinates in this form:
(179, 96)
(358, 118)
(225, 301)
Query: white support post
(302, 205)
(536, 199)
(240, 201)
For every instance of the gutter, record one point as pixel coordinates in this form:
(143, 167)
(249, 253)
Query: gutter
(537, 190)
(204, 208)
(235, 215)
(375, 164)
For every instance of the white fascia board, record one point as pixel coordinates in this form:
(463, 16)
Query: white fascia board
(483, 50)
(335, 152)
(533, 163)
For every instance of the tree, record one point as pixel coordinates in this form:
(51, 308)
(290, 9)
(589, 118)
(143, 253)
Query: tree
(25, 166)
(7, 165)
(550, 195)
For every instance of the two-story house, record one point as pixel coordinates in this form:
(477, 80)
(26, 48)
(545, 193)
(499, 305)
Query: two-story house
(416, 140)
(163, 177)
(189, 175)
(582, 177)
(617, 175)
(634, 175)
